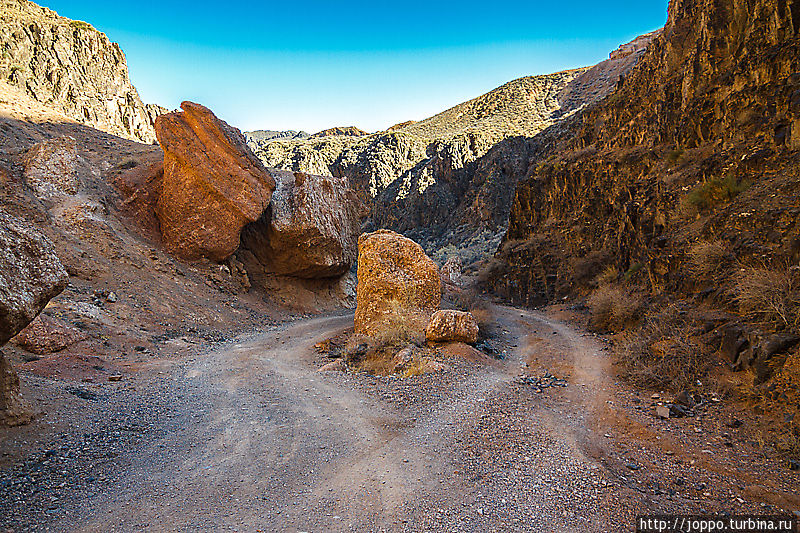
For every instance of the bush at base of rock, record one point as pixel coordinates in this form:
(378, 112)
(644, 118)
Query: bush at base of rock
(452, 326)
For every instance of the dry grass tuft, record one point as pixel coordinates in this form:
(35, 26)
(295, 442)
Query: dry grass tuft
(769, 294)
(613, 308)
(707, 257)
(662, 353)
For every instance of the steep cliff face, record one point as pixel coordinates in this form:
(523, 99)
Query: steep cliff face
(71, 67)
(447, 181)
(697, 146)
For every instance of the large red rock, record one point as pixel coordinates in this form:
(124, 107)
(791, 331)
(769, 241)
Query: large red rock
(311, 229)
(398, 285)
(213, 185)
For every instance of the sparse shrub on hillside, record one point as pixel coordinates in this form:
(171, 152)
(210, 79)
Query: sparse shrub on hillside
(716, 191)
(613, 308)
(673, 156)
(632, 271)
(707, 257)
(80, 25)
(609, 275)
(662, 353)
(769, 294)
(585, 269)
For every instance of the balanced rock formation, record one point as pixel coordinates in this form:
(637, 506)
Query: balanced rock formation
(51, 168)
(30, 275)
(310, 230)
(213, 185)
(73, 68)
(397, 284)
(448, 325)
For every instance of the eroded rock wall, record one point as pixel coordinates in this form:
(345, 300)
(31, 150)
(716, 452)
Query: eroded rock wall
(698, 144)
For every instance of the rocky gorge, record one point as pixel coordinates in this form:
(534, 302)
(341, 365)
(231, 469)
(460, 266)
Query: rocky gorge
(557, 306)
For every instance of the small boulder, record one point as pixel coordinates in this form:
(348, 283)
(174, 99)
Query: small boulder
(397, 284)
(339, 365)
(448, 325)
(46, 335)
(51, 168)
(403, 359)
(212, 187)
(451, 272)
(311, 228)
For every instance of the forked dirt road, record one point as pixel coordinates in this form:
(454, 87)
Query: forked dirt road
(255, 439)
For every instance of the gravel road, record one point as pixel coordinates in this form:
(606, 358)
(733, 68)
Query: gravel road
(250, 437)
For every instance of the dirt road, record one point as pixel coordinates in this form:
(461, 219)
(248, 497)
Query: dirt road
(250, 437)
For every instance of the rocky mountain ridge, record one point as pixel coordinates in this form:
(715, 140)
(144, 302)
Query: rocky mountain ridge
(427, 178)
(73, 68)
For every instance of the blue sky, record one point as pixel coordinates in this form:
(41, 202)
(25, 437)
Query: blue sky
(315, 64)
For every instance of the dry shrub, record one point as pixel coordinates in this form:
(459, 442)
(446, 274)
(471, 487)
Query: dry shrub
(481, 309)
(584, 269)
(489, 270)
(609, 275)
(662, 353)
(375, 353)
(707, 257)
(613, 308)
(769, 294)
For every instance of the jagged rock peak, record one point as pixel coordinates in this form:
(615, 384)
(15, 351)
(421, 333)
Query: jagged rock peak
(347, 131)
(73, 68)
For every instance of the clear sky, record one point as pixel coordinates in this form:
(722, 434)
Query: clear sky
(316, 64)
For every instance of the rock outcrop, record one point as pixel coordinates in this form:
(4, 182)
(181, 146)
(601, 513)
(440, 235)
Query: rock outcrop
(70, 66)
(398, 285)
(697, 145)
(311, 228)
(452, 272)
(448, 325)
(212, 187)
(30, 275)
(51, 168)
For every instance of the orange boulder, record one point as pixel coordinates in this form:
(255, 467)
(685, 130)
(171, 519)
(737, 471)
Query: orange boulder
(398, 285)
(213, 185)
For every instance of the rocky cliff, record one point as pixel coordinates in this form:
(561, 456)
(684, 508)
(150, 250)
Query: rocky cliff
(676, 202)
(699, 142)
(73, 68)
(433, 179)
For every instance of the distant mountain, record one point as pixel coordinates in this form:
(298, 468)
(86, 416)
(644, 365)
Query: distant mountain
(71, 67)
(266, 135)
(347, 131)
(418, 177)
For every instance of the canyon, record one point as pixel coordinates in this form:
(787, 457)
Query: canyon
(557, 306)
